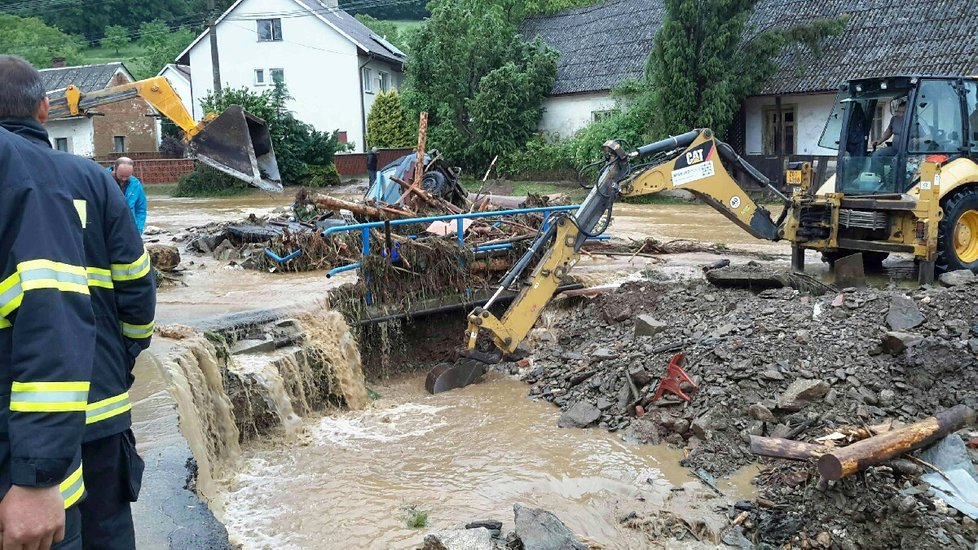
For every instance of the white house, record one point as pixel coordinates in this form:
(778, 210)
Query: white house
(121, 127)
(179, 78)
(603, 45)
(331, 64)
(600, 47)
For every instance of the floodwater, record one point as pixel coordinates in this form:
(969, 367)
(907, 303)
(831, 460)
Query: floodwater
(351, 480)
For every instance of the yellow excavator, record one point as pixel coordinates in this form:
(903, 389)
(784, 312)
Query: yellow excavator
(919, 197)
(234, 142)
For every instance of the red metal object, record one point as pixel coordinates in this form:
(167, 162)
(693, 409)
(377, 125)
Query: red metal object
(973, 443)
(673, 379)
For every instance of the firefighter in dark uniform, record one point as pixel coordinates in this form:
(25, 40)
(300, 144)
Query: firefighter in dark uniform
(47, 343)
(123, 294)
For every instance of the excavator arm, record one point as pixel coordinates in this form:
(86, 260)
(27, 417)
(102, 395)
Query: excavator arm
(694, 161)
(235, 142)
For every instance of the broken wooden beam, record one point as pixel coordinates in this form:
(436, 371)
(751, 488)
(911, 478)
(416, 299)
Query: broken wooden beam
(380, 213)
(786, 448)
(878, 449)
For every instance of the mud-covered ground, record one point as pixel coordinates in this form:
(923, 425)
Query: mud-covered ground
(774, 363)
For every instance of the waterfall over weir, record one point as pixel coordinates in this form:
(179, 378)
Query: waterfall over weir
(224, 400)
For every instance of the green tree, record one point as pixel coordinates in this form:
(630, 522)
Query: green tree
(32, 39)
(703, 66)
(409, 9)
(116, 37)
(162, 49)
(480, 82)
(88, 18)
(298, 146)
(388, 124)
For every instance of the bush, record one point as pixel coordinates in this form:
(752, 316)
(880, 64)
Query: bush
(321, 176)
(205, 181)
(388, 124)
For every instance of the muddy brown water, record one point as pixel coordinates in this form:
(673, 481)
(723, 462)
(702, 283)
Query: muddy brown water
(346, 479)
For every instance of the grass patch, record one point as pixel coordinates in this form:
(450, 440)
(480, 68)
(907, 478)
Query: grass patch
(92, 56)
(416, 519)
(157, 190)
(406, 25)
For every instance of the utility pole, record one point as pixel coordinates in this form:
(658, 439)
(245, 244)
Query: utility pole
(215, 58)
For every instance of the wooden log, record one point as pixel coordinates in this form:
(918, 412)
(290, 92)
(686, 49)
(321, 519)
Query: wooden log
(422, 145)
(786, 448)
(333, 203)
(880, 448)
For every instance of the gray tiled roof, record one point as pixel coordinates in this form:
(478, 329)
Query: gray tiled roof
(360, 33)
(87, 77)
(882, 37)
(600, 46)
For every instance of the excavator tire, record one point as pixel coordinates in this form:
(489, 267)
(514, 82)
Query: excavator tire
(871, 260)
(957, 233)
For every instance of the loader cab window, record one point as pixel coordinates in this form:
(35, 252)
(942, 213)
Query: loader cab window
(971, 110)
(936, 125)
(863, 168)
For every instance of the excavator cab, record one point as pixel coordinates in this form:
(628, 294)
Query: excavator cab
(921, 119)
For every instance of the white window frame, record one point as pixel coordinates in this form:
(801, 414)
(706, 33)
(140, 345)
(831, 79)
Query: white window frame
(367, 75)
(271, 75)
(260, 79)
(384, 78)
(271, 23)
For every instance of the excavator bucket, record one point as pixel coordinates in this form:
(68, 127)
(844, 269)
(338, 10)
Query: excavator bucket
(238, 143)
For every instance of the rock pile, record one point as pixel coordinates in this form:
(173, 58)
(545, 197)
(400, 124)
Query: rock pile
(775, 363)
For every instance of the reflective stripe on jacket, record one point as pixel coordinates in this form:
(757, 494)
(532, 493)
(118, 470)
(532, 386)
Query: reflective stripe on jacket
(47, 325)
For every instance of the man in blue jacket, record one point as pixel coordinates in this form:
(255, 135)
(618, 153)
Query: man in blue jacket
(123, 297)
(133, 189)
(47, 342)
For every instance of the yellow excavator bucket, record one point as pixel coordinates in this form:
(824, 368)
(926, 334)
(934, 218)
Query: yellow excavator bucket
(238, 144)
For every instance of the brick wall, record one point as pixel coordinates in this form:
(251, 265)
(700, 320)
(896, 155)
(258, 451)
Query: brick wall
(355, 164)
(127, 118)
(139, 155)
(159, 171)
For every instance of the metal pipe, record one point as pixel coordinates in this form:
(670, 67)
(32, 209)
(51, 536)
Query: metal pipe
(488, 247)
(342, 269)
(271, 254)
(470, 215)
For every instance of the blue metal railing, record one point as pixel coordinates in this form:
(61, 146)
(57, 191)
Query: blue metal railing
(365, 228)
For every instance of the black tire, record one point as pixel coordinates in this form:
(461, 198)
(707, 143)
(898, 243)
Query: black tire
(955, 205)
(436, 183)
(871, 260)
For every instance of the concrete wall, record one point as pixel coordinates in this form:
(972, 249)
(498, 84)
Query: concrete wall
(80, 133)
(566, 114)
(131, 119)
(375, 66)
(181, 85)
(322, 67)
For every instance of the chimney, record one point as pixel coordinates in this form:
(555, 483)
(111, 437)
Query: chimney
(58, 62)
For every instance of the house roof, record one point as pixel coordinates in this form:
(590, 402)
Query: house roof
(88, 78)
(181, 70)
(346, 25)
(603, 45)
(881, 38)
(600, 46)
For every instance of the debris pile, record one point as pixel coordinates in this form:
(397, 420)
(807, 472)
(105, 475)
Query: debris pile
(781, 364)
(535, 529)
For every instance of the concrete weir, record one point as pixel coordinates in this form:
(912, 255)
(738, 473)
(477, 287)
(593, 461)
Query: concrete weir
(202, 390)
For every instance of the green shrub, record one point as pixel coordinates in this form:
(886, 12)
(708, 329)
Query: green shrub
(388, 124)
(321, 176)
(205, 181)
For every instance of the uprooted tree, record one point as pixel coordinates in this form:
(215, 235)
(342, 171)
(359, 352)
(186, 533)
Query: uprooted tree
(481, 83)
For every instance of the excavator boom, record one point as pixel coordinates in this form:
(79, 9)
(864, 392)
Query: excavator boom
(234, 142)
(694, 161)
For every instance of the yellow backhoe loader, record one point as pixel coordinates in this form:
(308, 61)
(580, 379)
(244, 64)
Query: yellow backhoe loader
(920, 197)
(234, 142)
